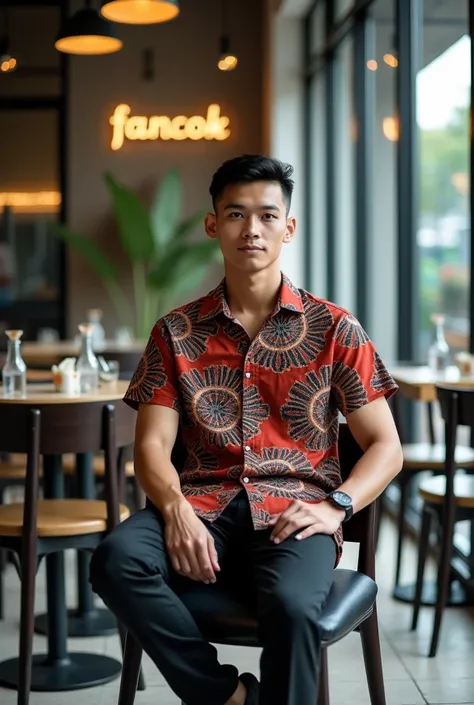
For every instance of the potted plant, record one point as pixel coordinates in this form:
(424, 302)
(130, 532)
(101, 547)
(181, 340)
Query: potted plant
(165, 262)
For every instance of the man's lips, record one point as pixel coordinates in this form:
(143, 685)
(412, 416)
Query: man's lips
(251, 248)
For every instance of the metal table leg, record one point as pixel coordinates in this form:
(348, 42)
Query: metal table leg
(86, 620)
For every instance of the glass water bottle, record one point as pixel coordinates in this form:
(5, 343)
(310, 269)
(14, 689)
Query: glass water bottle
(87, 364)
(438, 353)
(14, 370)
(94, 316)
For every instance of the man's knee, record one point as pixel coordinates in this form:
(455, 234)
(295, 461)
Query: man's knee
(290, 607)
(110, 563)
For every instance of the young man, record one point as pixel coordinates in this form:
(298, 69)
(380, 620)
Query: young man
(255, 373)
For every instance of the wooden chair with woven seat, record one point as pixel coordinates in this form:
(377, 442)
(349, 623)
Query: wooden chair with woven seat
(230, 616)
(37, 528)
(417, 458)
(448, 499)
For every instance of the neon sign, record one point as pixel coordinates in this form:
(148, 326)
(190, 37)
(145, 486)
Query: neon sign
(161, 127)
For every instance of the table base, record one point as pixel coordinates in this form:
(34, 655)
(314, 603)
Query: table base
(457, 596)
(97, 622)
(77, 671)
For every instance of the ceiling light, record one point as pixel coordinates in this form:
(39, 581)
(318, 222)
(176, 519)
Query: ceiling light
(140, 11)
(87, 33)
(7, 61)
(391, 60)
(227, 60)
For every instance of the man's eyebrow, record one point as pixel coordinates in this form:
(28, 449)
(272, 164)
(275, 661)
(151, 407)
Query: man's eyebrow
(268, 207)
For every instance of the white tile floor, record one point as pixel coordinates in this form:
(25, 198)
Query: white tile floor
(410, 677)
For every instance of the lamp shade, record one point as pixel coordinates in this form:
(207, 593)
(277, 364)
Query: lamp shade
(227, 59)
(7, 61)
(140, 11)
(87, 33)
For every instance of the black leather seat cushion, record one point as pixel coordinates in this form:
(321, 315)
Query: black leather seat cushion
(226, 613)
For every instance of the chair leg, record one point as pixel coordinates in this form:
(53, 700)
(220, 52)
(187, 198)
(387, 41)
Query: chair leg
(27, 620)
(3, 565)
(401, 525)
(369, 632)
(444, 575)
(131, 669)
(378, 520)
(323, 693)
(422, 555)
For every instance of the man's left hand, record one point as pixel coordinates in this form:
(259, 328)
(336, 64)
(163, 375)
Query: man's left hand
(321, 518)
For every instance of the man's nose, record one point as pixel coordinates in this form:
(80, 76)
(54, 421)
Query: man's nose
(252, 227)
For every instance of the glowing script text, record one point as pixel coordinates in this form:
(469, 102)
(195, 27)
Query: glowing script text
(138, 127)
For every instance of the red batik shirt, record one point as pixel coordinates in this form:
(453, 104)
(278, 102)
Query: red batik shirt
(260, 416)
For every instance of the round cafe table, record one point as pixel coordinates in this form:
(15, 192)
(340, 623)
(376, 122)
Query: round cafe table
(44, 355)
(59, 669)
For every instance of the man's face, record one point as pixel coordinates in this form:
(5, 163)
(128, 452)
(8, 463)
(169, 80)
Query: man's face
(251, 224)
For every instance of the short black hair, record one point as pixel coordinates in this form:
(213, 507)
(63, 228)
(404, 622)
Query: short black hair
(249, 168)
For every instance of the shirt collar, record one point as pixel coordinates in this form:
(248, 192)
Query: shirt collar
(215, 302)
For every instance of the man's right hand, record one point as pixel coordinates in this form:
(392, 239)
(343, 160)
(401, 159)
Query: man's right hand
(190, 545)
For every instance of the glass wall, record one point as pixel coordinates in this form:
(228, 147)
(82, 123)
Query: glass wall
(443, 93)
(438, 237)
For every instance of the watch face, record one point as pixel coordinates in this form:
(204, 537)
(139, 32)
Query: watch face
(342, 499)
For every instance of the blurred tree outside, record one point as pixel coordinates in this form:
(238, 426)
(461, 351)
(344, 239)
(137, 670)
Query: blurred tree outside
(444, 206)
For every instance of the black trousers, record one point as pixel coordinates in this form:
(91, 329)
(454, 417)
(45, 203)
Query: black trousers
(132, 573)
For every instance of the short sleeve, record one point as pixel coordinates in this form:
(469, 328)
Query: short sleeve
(154, 381)
(359, 375)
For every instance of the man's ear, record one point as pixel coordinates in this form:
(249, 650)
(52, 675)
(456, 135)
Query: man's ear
(290, 230)
(210, 224)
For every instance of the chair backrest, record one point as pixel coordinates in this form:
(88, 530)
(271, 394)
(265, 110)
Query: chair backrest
(55, 429)
(65, 428)
(457, 409)
(361, 528)
(458, 401)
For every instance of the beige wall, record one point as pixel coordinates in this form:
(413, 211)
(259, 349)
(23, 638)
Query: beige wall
(186, 81)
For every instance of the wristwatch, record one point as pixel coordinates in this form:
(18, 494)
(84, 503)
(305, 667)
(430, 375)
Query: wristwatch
(341, 500)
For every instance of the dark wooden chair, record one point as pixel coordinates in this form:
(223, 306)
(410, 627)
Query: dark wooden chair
(448, 499)
(227, 619)
(417, 458)
(36, 528)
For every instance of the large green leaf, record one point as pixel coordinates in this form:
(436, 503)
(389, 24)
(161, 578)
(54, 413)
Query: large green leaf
(165, 212)
(189, 225)
(90, 250)
(181, 269)
(133, 221)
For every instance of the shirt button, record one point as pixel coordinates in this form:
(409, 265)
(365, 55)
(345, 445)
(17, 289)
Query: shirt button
(247, 448)
(245, 479)
(248, 375)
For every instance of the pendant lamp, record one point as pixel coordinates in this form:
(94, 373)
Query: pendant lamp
(87, 33)
(140, 11)
(8, 62)
(227, 60)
